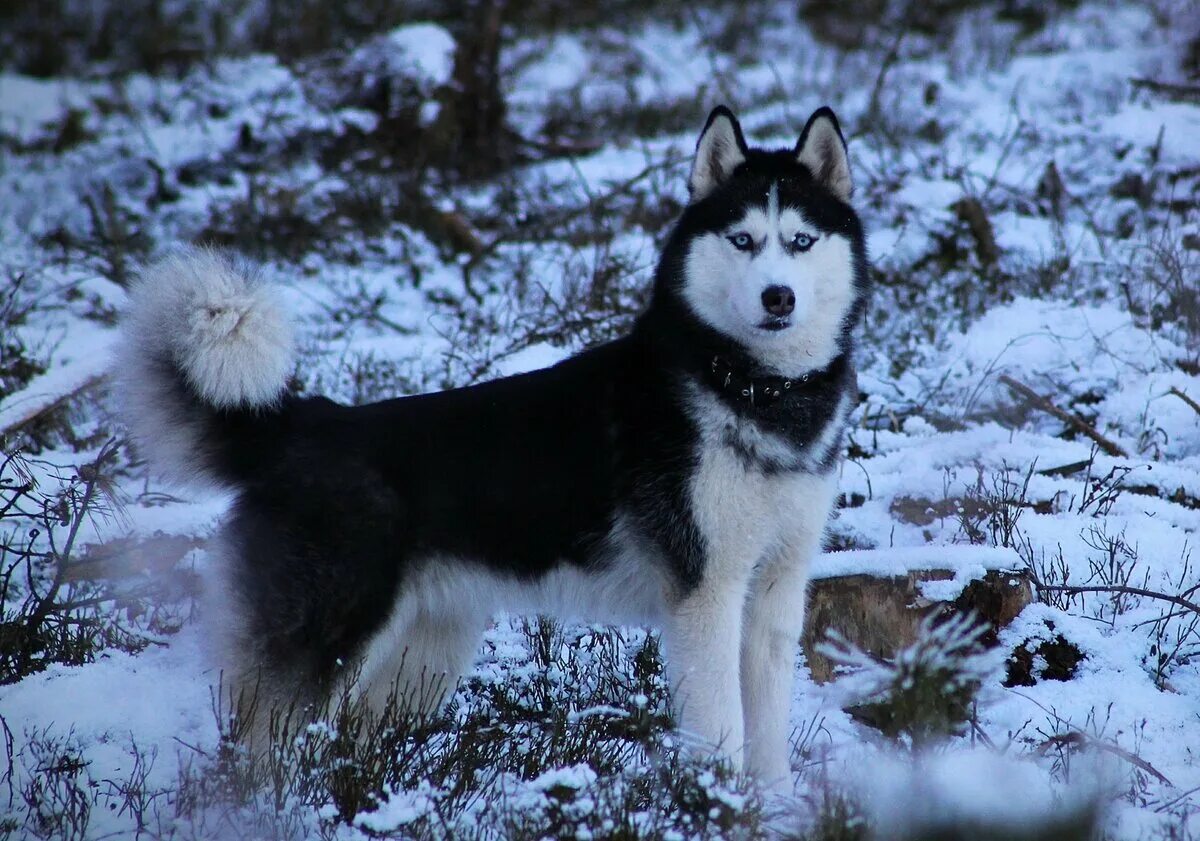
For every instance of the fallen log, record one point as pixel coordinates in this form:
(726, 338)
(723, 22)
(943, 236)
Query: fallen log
(16, 417)
(58, 386)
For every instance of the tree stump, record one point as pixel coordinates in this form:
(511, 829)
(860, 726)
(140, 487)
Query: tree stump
(880, 613)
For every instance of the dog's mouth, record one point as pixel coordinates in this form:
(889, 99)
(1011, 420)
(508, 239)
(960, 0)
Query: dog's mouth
(774, 325)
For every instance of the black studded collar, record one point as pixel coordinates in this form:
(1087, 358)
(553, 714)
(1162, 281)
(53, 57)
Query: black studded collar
(755, 392)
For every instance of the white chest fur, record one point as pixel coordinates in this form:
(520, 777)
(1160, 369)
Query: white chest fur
(743, 511)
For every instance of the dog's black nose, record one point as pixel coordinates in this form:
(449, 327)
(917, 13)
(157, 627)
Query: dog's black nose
(779, 300)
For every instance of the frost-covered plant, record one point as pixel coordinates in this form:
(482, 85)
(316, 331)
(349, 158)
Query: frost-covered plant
(1175, 633)
(674, 796)
(928, 690)
(50, 610)
(19, 297)
(1161, 279)
(990, 514)
(834, 814)
(56, 796)
(586, 698)
(49, 790)
(1114, 565)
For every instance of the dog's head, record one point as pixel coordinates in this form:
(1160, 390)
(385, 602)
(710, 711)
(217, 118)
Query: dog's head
(769, 252)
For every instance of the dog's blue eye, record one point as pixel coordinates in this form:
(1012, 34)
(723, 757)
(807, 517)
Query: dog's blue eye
(803, 241)
(742, 241)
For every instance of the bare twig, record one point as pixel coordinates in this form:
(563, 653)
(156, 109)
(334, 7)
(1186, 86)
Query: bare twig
(1119, 588)
(1080, 740)
(980, 734)
(559, 148)
(1064, 469)
(7, 777)
(1074, 421)
(874, 108)
(49, 602)
(1182, 396)
(1165, 806)
(1171, 90)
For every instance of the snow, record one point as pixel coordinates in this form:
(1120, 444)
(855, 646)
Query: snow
(158, 701)
(426, 48)
(968, 561)
(978, 786)
(85, 359)
(399, 809)
(532, 358)
(1169, 128)
(28, 106)
(577, 777)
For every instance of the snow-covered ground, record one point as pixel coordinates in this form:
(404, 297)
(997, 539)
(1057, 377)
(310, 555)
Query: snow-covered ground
(1076, 143)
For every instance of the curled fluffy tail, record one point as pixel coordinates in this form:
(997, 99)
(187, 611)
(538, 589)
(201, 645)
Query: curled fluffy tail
(203, 362)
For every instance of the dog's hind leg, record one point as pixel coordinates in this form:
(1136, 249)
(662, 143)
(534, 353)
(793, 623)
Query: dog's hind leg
(774, 620)
(416, 663)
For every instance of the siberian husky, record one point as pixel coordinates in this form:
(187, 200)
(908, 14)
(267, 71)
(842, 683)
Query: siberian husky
(680, 476)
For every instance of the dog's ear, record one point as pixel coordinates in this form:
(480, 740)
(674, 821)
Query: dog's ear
(718, 152)
(822, 149)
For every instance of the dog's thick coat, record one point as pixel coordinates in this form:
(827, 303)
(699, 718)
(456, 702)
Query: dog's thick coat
(681, 475)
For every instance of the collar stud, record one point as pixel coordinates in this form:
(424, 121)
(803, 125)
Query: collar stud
(755, 391)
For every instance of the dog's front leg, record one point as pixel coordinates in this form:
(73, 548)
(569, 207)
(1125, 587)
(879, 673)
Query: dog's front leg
(773, 624)
(703, 636)
(774, 621)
